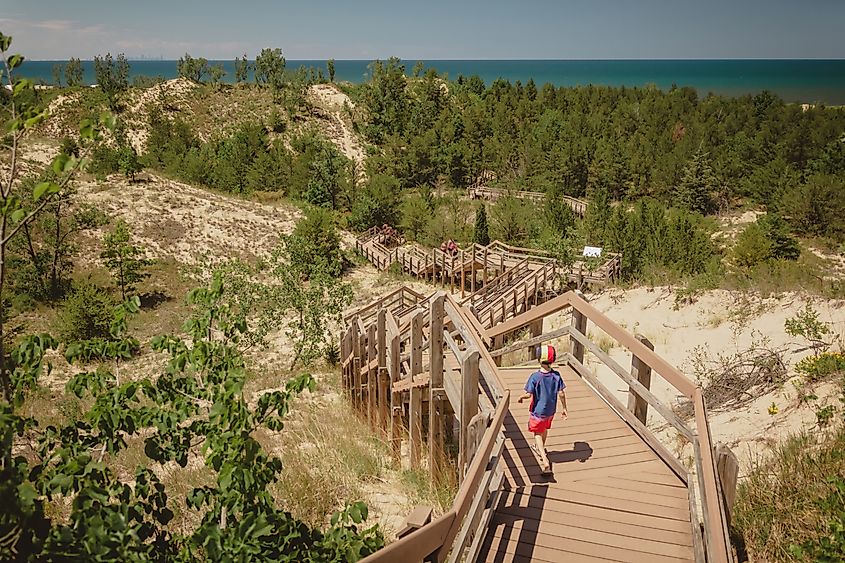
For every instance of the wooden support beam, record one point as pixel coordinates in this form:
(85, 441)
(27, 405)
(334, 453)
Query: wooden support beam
(463, 274)
(642, 373)
(383, 395)
(395, 398)
(415, 403)
(372, 379)
(452, 273)
(356, 367)
(435, 402)
(579, 324)
(469, 405)
(536, 331)
(415, 426)
(472, 270)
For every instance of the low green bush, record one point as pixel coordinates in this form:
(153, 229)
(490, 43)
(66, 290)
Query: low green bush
(86, 313)
(822, 366)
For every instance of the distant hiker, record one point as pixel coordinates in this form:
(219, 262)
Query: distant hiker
(452, 248)
(543, 388)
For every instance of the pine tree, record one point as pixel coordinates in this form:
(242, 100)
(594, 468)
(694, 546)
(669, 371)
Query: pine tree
(596, 218)
(330, 67)
(697, 183)
(481, 234)
(124, 260)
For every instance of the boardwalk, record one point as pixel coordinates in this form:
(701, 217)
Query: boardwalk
(611, 497)
(473, 265)
(424, 368)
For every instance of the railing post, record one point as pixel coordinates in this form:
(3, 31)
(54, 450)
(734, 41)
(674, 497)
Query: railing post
(727, 466)
(579, 323)
(463, 273)
(372, 384)
(435, 402)
(356, 367)
(472, 269)
(415, 404)
(642, 373)
(484, 269)
(469, 404)
(383, 396)
(396, 405)
(536, 330)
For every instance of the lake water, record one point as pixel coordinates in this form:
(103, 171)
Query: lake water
(811, 81)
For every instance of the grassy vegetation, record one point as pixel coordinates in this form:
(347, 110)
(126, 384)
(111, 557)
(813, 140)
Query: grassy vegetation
(791, 507)
(328, 453)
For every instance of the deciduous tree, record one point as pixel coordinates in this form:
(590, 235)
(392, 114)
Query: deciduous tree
(191, 68)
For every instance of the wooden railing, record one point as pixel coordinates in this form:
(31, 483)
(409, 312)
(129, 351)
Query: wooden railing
(379, 380)
(471, 267)
(396, 301)
(579, 207)
(707, 505)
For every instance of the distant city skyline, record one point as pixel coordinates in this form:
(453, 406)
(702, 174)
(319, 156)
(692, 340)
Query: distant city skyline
(472, 29)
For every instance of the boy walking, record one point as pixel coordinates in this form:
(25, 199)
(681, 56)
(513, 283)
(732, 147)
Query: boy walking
(543, 388)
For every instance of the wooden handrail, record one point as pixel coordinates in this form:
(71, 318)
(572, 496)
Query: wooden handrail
(713, 515)
(658, 364)
(500, 298)
(434, 540)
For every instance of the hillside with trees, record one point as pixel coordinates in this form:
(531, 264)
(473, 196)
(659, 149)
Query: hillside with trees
(174, 264)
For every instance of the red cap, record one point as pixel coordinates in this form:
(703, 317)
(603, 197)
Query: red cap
(547, 354)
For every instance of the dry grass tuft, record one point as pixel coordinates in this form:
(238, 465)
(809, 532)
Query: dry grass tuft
(602, 340)
(782, 501)
(327, 453)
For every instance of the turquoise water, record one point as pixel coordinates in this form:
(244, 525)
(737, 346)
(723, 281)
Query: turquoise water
(810, 81)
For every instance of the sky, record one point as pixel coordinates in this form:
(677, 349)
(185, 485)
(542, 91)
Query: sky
(428, 29)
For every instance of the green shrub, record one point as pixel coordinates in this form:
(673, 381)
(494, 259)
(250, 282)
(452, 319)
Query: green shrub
(377, 204)
(816, 368)
(315, 244)
(415, 216)
(104, 161)
(816, 207)
(86, 313)
(766, 239)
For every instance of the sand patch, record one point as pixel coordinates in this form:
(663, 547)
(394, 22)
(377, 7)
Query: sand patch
(175, 220)
(718, 322)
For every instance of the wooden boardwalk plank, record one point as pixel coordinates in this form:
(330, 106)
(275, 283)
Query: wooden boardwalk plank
(579, 528)
(610, 497)
(526, 544)
(516, 500)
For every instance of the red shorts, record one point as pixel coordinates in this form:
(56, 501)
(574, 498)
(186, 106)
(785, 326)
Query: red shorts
(539, 425)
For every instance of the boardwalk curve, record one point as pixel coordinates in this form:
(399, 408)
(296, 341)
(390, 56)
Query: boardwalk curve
(417, 366)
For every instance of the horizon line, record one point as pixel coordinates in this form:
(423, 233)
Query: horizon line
(143, 58)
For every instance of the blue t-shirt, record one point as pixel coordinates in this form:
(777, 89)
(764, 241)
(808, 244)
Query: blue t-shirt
(544, 386)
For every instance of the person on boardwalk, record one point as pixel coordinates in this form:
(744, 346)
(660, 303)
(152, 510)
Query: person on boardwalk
(543, 388)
